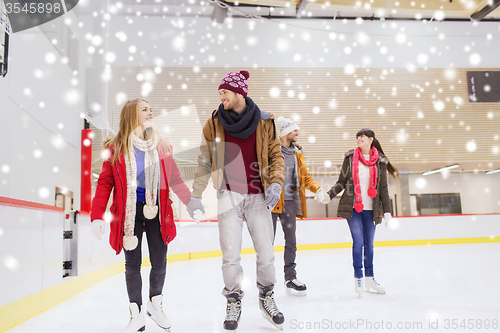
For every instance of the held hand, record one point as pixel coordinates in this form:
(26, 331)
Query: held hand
(98, 228)
(273, 195)
(322, 196)
(195, 208)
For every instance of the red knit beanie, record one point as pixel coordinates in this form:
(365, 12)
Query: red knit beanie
(236, 82)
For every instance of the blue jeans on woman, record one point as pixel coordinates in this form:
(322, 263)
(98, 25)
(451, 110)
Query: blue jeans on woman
(363, 233)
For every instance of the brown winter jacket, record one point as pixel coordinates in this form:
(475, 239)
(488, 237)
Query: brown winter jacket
(211, 159)
(305, 181)
(381, 203)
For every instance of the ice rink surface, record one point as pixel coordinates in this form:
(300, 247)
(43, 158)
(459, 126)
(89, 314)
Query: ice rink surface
(438, 288)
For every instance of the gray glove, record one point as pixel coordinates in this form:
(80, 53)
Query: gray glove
(273, 195)
(193, 205)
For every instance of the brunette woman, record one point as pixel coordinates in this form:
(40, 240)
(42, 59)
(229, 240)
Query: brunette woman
(364, 202)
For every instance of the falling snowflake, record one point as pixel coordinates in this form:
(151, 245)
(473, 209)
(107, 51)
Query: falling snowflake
(471, 146)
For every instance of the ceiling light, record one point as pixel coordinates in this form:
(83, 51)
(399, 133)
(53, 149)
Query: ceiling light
(492, 171)
(481, 14)
(440, 170)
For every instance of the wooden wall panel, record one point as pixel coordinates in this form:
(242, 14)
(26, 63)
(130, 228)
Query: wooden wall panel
(415, 133)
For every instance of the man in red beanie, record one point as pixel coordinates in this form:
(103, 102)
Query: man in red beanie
(242, 152)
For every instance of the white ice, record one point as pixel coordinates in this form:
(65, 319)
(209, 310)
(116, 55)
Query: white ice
(424, 284)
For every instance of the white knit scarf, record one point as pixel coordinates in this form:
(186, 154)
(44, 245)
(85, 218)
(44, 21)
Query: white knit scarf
(152, 177)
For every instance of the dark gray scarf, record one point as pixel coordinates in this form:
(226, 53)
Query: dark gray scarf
(240, 125)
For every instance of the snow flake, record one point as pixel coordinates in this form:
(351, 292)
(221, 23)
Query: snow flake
(402, 136)
(252, 40)
(122, 36)
(381, 110)
(96, 40)
(11, 263)
(439, 106)
(349, 69)
(146, 89)
(471, 146)
(282, 44)
(401, 38)
(5, 168)
(121, 98)
(72, 96)
(179, 43)
(110, 57)
(50, 58)
(422, 58)
(44, 192)
(311, 139)
(339, 121)
(274, 92)
(316, 110)
(333, 104)
(475, 59)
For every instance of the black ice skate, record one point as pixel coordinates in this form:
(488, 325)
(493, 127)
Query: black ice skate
(233, 312)
(295, 288)
(269, 309)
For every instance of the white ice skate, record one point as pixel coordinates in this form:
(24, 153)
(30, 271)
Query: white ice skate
(358, 286)
(137, 322)
(371, 283)
(155, 311)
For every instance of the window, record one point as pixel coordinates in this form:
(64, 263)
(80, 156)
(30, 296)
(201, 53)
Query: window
(439, 203)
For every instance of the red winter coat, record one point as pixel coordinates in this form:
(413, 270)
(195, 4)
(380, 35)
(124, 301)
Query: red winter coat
(114, 176)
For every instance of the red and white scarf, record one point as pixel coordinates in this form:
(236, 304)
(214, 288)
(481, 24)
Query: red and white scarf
(372, 165)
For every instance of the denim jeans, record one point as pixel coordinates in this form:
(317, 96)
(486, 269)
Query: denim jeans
(232, 208)
(363, 233)
(157, 256)
(288, 222)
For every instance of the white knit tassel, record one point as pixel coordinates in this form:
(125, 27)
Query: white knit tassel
(130, 242)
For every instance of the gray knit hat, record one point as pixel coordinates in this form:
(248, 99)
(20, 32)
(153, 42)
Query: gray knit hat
(286, 126)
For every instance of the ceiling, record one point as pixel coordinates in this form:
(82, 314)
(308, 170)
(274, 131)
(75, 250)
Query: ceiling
(408, 9)
(297, 9)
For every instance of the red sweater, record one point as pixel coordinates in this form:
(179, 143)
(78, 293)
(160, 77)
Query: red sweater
(241, 169)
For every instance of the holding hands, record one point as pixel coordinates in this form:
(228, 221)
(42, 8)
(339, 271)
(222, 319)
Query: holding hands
(322, 196)
(195, 208)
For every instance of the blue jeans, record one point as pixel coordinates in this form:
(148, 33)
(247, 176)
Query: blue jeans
(362, 232)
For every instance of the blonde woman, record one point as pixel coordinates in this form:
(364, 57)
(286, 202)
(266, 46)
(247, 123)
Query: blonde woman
(140, 169)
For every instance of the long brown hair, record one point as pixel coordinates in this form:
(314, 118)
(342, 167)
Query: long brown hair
(393, 171)
(129, 121)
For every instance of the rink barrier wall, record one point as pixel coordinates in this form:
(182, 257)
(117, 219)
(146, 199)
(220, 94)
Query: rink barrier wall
(98, 262)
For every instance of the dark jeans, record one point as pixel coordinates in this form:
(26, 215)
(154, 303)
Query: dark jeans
(288, 223)
(363, 234)
(157, 256)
